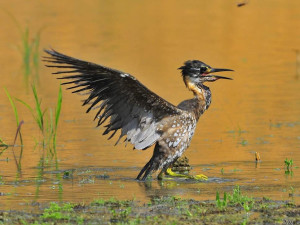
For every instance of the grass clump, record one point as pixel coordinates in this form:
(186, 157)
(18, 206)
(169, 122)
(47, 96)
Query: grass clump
(57, 212)
(119, 210)
(221, 204)
(236, 198)
(288, 166)
(48, 126)
(112, 202)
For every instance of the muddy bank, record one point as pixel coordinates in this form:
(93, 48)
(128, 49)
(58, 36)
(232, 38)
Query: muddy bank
(161, 210)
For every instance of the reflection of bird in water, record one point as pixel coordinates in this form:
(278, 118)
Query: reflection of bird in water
(141, 115)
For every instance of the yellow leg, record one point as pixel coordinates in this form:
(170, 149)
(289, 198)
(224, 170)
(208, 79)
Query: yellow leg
(196, 177)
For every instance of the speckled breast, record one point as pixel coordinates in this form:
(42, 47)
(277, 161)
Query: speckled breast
(177, 136)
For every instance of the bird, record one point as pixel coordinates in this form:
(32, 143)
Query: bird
(142, 117)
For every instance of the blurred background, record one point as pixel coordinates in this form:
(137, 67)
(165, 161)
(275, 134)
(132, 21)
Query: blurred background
(259, 111)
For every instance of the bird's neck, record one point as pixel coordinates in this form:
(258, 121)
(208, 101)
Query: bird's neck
(202, 97)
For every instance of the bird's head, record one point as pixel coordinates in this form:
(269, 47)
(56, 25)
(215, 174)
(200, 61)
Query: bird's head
(195, 72)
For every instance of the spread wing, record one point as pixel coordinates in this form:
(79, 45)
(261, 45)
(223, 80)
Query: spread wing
(131, 107)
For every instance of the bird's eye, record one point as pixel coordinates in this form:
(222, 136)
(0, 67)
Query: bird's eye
(203, 69)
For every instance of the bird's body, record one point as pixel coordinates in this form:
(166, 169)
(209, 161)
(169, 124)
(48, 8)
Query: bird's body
(141, 115)
(177, 132)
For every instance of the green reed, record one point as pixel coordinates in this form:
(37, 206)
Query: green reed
(29, 50)
(51, 130)
(19, 124)
(30, 55)
(288, 166)
(235, 199)
(47, 125)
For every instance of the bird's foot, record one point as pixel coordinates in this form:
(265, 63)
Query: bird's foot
(199, 177)
(195, 177)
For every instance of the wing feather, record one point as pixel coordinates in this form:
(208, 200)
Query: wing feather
(131, 107)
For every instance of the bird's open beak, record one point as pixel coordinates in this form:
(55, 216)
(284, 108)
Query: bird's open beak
(214, 70)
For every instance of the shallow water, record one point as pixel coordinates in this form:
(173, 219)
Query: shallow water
(259, 111)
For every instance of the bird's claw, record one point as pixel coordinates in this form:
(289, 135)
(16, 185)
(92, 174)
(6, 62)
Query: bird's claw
(195, 177)
(199, 177)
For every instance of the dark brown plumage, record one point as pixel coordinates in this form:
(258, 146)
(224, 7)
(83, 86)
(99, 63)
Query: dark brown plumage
(141, 115)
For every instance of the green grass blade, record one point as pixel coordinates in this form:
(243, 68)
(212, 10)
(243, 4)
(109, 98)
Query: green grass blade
(40, 115)
(36, 55)
(31, 110)
(28, 106)
(58, 107)
(13, 106)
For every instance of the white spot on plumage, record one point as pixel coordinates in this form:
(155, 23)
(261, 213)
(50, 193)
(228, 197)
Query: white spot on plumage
(176, 143)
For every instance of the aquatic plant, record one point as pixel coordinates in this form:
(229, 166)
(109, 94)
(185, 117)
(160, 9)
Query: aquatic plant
(15, 112)
(291, 191)
(57, 115)
(235, 199)
(288, 165)
(221, 204)
(30, 55)
(29, 50)
(48, 126)
(112, 202)
(54, 211)
(120, 215)
(222, 171)
(18, 132)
